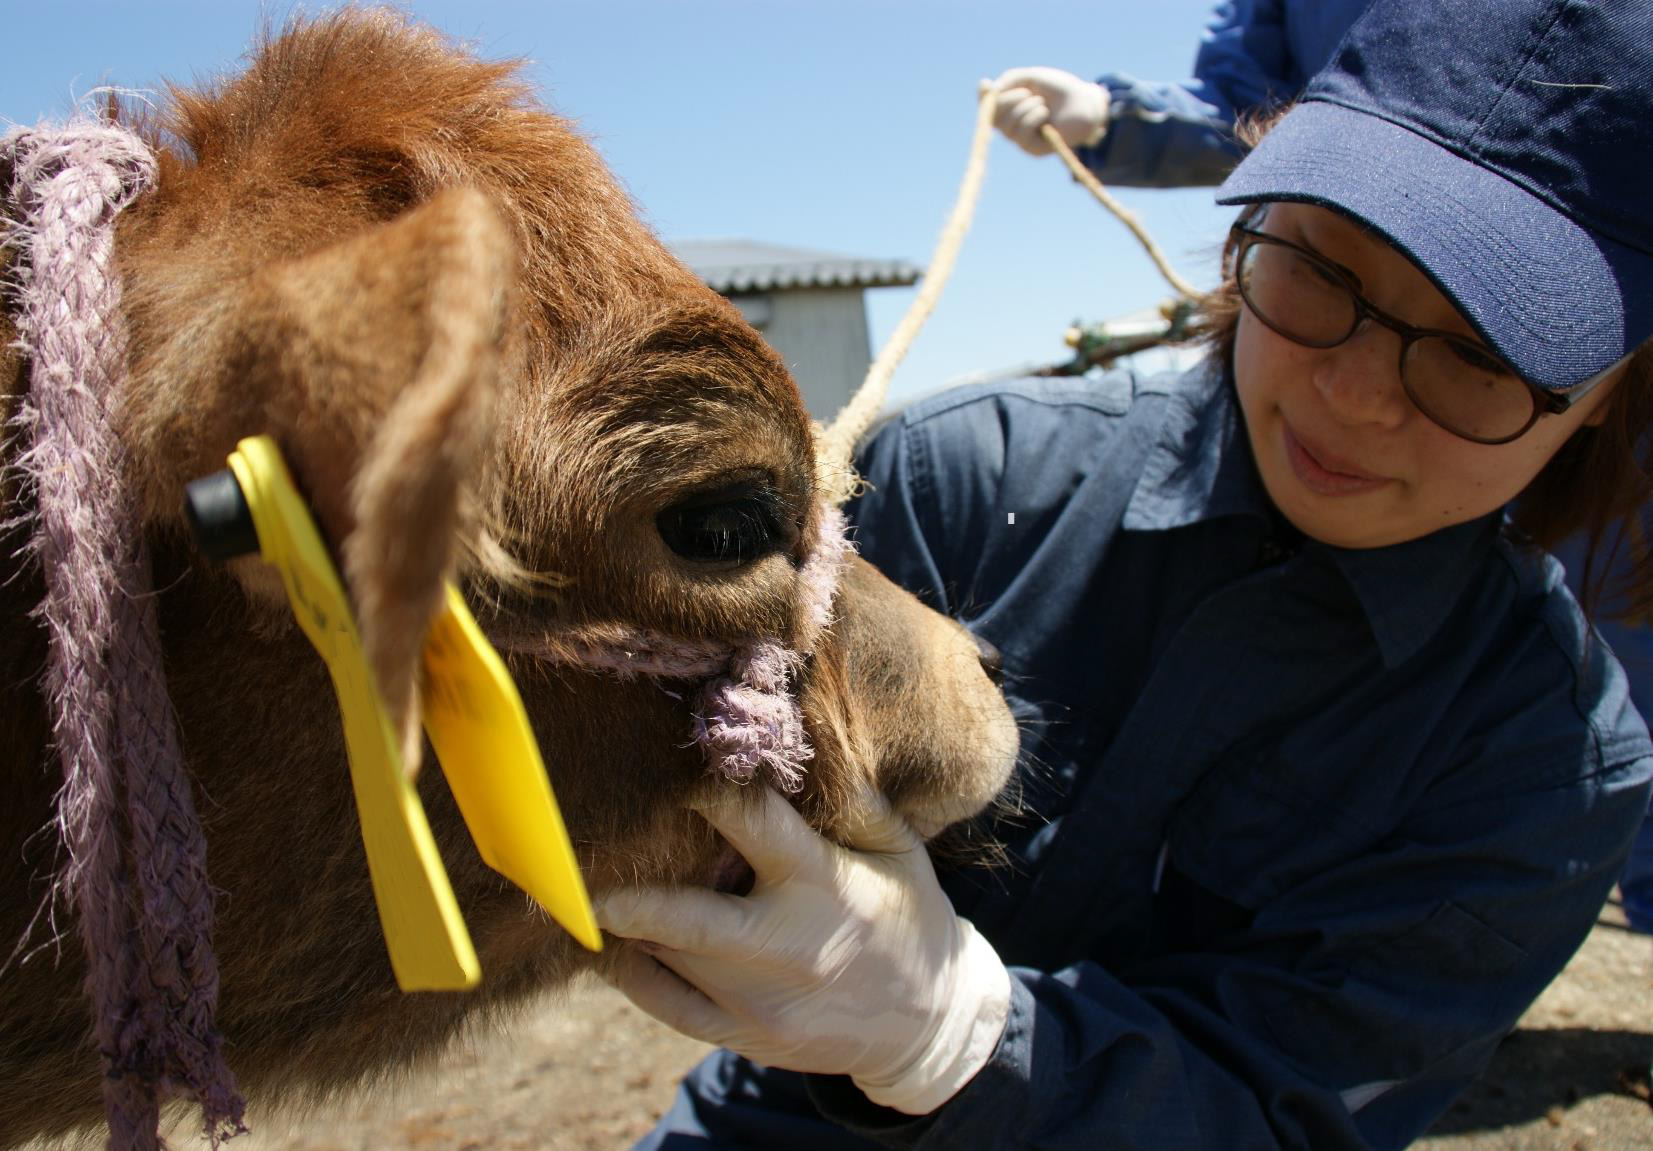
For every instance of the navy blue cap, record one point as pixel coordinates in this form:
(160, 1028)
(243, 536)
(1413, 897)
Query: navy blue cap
(1506, 147)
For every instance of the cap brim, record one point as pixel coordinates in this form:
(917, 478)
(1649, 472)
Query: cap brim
(1539, 287)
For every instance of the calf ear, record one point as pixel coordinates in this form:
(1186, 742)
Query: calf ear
(447, 297)
(377, 361)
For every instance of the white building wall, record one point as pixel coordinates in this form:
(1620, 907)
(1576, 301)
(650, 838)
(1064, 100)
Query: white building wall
(822, 335)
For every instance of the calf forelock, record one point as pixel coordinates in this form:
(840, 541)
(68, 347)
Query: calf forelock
(377, 249)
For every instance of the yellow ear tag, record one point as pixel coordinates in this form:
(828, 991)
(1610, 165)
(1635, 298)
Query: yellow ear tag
(477, 725)
(479, 728)
(430, 950)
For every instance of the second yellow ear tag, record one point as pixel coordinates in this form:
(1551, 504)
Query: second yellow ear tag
(477, 725)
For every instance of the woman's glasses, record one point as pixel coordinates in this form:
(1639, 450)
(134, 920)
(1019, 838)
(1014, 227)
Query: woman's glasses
(1459, 383)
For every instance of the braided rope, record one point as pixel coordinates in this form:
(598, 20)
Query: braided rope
(144, 907)
(623, 651)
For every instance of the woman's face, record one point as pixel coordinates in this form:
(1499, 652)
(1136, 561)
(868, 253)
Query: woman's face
(1344, 454)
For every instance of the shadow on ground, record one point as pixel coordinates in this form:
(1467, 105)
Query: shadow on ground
(1538, 1072)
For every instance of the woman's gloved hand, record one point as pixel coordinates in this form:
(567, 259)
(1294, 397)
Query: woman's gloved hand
(1029, 98)
(839, 962)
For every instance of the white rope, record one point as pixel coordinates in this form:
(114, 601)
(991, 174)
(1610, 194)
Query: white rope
(835, 444)
(1088, 178)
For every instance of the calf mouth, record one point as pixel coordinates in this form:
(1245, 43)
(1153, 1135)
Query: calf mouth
(731, 874)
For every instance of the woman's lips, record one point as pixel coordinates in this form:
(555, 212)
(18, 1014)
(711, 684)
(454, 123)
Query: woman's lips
(1324, 474)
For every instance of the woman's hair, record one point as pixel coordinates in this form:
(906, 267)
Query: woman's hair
(1597, 484)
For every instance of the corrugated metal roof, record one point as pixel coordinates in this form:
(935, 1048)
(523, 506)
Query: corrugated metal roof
(747, 266)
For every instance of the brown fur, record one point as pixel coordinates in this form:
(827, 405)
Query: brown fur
(379, 250)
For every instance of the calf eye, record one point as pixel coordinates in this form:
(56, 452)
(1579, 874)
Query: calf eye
(727, 526)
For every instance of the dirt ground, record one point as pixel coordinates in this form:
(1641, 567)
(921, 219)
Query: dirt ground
(591, 1074)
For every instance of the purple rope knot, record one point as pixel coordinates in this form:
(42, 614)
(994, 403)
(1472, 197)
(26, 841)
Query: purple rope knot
(750, 720)
(136, 870)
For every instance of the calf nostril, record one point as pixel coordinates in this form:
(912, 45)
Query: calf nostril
(992, 660)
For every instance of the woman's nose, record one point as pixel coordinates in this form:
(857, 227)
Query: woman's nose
(1360, 378)
(992, 660)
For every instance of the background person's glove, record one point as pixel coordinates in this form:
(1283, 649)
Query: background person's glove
(1032, 97)
(839, 962)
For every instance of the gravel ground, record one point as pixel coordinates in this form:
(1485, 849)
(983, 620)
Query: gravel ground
(592, 1074)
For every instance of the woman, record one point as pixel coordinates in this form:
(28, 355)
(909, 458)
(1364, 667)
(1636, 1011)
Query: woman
(1254, 55)
(1332, 774)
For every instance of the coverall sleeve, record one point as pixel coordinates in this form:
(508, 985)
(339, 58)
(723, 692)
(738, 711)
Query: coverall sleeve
(1171, 135)
(886, 518)
(1353, 1007)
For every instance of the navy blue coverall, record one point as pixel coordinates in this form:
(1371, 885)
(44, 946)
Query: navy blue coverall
(1308, 828)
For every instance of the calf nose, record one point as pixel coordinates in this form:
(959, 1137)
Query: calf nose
(992, 660)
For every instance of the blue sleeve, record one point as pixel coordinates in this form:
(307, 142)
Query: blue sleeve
(887, 525)
(1356, 1004)
(1168, 135)
(942, 477)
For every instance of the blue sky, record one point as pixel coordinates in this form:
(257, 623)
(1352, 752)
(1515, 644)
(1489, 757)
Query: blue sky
(834, 124)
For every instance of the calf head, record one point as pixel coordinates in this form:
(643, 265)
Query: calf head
(479, 366)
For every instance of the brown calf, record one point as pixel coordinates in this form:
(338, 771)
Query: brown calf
(479, 364)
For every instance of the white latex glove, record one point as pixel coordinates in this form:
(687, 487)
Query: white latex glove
(1032, 97)
(839, 962)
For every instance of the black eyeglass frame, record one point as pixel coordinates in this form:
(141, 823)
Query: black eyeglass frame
(1544, 400)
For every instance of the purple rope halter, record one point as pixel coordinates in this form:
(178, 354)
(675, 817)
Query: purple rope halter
(746, 718)
(136, 868)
